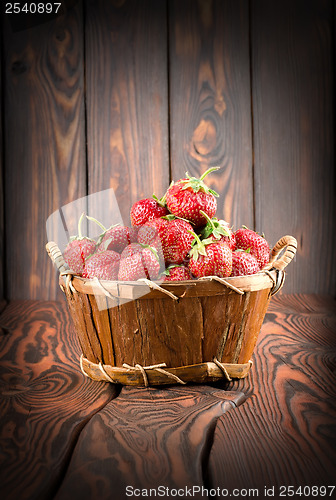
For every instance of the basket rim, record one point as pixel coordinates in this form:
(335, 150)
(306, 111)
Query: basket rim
(205, 286)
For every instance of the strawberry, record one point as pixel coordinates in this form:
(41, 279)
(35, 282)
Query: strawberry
(78, 249)
(177, 240)
(188, 197)
(153, 233)
(130, 250)
(208, 258)
(147, 209)
(103, 265)
(116, 238)
(131, 268)
(244, 263)
(247, 239)
(151, 263)
(176, 273)
(139, 261)
(218, 230)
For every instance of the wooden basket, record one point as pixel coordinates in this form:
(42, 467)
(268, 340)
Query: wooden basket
(141, 333)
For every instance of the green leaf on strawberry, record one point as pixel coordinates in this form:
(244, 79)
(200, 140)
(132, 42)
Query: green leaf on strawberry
(197, 184)
(217, 228)
(198, 247)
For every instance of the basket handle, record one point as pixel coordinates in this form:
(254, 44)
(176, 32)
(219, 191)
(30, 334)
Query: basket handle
(56, 256)
(289, 245)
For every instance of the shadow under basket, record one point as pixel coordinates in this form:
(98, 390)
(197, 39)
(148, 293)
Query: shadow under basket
(142, 333)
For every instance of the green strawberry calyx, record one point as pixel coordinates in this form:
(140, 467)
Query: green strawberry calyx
(217, 228)
(171, 217)
(197, 184)
(247, 250)
(152, 249)
(198, 247)
(162, 201)
(101, 236)
(169, 268)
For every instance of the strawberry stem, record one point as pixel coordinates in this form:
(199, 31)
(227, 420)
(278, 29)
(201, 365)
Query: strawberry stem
(215, 227)
(212, 169)
(197, 184)
(197, 246)
(80, 225)
(97, 222)
(207, 218)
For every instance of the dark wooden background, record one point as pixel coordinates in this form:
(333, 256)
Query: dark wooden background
(129, 94)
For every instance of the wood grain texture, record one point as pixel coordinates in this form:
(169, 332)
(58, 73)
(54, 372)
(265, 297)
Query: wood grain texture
(284, 434)
(45, 399)
(292, 82)
(44, 143)
(127, 100)
(2, 192)
(210, 118)
(144, 439)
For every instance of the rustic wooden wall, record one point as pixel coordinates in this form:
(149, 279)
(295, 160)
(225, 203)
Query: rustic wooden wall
(129, 94)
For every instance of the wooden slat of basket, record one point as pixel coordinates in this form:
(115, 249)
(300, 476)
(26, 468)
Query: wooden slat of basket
(77, 316)
(142, 334)
(228, 349)
(217, 324)
(198, 373)
(101, 320)
(258, 304)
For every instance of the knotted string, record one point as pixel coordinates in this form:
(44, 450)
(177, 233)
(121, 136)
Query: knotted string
(222, 367)
(223, 281)
(158, 367)
(155, 286)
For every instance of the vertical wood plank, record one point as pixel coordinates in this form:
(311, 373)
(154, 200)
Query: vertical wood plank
(292, 67)
(44, 143)
(127, 99)
(210, 119)
(2, 206)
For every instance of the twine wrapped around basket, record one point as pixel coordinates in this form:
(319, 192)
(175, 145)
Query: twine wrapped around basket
(176, 332)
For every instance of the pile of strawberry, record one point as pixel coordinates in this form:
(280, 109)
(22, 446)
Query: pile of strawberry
(177, 237)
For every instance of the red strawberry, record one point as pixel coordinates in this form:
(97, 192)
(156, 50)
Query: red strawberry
(218, 230)
(78, 249)
(247, 239)
(139, 261)
(130, 250)
(153, 229)
(188, 197)
(131, 268)
(103, 265)
(153, 233)
(244, 263)
(176, 273)
(210, 259)
(151, 263)
(177, 241)
(145, 210)
(117, 238)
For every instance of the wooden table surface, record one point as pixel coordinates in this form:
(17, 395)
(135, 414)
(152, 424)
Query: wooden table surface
(65, 436)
